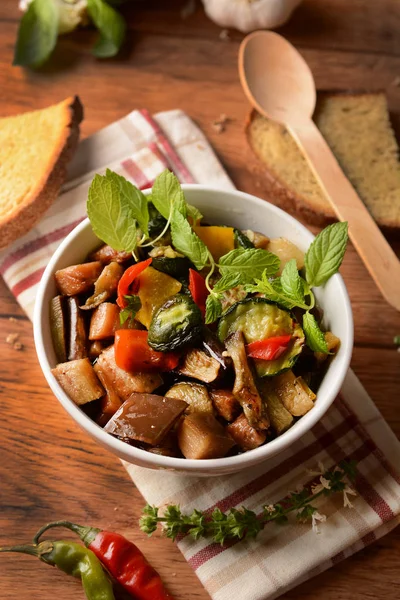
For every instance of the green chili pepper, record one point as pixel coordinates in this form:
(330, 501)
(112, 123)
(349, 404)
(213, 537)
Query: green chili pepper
(75, 560)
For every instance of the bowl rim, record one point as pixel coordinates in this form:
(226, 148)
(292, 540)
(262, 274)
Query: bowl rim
(145, 458)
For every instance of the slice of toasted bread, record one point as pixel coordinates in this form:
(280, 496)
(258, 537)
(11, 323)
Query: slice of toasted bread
(358, 130)
(35, 148)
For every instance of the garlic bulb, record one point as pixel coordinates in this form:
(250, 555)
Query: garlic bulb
(249, 15)
(71, 13)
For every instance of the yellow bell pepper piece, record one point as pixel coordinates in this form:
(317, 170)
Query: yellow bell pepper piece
(155, 288)
(219, 240)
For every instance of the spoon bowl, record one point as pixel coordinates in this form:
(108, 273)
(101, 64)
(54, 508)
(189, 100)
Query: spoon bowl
(275, 78)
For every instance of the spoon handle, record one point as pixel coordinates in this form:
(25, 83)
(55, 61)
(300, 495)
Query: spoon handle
(379, 258)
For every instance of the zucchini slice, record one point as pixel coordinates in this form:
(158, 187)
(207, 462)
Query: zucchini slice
(176, 267)
(177, 323)
(259, 319)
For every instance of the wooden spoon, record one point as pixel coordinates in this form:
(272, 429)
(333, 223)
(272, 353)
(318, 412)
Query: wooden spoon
(280, 85)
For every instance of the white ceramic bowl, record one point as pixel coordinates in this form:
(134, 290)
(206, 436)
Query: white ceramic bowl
(219, 207)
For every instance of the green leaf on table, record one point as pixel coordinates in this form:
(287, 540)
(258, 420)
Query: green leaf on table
(167, 193)
(315, 338)
(37, 34)
(325, 254)
(186, 241)
(213, 308)
(291, 282)
(111, 25)
(249, 263)
(112, 208)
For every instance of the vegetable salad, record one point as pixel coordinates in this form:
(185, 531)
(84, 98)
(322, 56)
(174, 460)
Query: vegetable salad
(187, 339)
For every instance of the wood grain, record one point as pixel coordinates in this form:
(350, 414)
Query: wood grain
(48, 468)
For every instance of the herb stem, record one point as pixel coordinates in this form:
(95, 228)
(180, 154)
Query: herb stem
(209, 274)
(161, 235)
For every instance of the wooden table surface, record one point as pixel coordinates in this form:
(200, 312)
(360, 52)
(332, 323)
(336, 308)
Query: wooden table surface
(48, 468)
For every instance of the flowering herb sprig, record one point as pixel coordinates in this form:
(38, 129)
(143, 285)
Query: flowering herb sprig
(239, 524)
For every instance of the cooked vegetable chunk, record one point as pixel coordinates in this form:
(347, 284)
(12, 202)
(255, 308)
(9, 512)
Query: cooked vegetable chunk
(333, 344)
(285, 251)
(95, 349)
(155, 288)
(58, 326)
(77, 331)
(245, 436)
(194, 394)
(280, 417)
(200, 365)
(104, 321)
(110, 402)
(201, 436)
(77, 279)
(259, 240)
(245, 389)
(133, 353)
(177, 323)
(241, 239)
(105, 286)
(146, 418)
(168, 446)
(292, 391)
(176, 267)
(219, 240)
(106, 255)
(127, 383)
(78, 380)
(225, 404)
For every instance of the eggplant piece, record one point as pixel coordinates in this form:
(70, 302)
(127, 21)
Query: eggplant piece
(194, 394)
(294, 393)
(106, 255)
(105, 286)
(246, 436)
(200, 365)
(225, 404)
(77, 279)
(95, 349)
(104, 321)
(110, 402)
(285, 251)
(77, 331)
(145, 418)
(280, 417)
(58, 327)
(79, 381)
(124, 383)
(168, 446)
(215, 349)
(177, 323)
(245, 389)
(201, 436)
(333, 344)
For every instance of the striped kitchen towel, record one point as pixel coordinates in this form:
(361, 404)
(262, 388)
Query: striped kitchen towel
(140, 147)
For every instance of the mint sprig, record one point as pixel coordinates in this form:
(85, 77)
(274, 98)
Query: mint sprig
(315, 338)
(37, 34)
(325, 254)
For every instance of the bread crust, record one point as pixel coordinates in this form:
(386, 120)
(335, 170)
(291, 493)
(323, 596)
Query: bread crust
(46, 191)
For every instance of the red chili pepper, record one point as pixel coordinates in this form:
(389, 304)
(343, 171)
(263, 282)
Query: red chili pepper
(125, 287)
(197, 287)
(122, 559)
(133, 353)
(269, 349)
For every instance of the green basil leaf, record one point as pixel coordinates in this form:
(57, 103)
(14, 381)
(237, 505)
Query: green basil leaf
(194, 213)
(186, 241)
(325, 254)
(111, 25)
(249, 263)
(167, 193)
(315, 339)
(112, 218)
(213, 308)
(291, 282)
(37, 34)
(133, 197)
(227, 282)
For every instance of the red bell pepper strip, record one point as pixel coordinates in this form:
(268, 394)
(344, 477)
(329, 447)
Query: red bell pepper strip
(127, 284)
(122, 559)
(269, 349)
(198, 289)
(133, 353)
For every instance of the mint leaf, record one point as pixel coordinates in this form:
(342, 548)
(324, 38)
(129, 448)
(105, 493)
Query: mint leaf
(167, 193)
(37, 34)
(227, 282)
(112, 216)
(133, 305)
(194, 213)
(315, 339)
(111, 25)
(325, 255)
(131, 195)
(186, 241)
(249, 263)
(291, 282)
(213, 308)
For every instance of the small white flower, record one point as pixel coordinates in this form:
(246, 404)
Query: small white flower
(321, 470)
(317, 517)
(323, 484)
(348, 491)
(270, 508)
